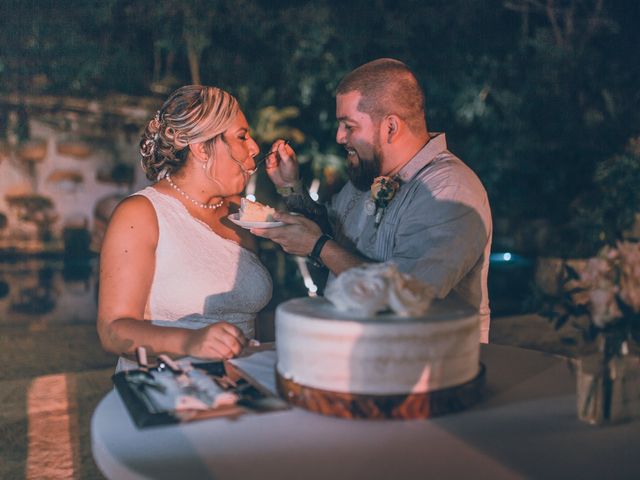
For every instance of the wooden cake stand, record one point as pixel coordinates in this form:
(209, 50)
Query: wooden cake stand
(403, 406)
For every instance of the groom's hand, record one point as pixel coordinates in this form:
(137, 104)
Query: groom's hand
(297, 237)
(282, 166)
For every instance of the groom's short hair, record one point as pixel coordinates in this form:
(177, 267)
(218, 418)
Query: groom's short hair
(387, 87)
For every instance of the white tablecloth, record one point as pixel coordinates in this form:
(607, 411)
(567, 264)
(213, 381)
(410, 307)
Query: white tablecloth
(525, 428)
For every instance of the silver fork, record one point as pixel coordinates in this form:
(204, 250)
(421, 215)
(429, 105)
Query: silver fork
(263, 158)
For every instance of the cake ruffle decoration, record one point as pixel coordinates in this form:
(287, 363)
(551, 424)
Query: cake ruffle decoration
(379, 287)
(383, 190)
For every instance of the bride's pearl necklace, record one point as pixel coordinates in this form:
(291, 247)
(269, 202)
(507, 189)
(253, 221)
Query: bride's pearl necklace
(211, 206)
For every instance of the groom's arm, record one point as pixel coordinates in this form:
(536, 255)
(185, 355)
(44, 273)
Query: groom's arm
(301, 236)
(298, 200)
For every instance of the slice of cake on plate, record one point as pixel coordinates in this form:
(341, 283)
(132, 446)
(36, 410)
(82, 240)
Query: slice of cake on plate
(251, 211)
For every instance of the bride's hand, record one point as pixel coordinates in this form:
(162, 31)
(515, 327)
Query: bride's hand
(219, 340)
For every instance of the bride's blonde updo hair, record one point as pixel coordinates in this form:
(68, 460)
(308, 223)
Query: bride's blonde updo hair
(191, 114)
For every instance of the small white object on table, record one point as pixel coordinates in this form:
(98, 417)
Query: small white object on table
(526, 427)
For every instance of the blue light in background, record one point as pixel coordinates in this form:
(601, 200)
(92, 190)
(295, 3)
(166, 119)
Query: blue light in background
(509, 259)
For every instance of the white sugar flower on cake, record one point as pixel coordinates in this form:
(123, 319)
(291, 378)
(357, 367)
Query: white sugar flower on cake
(378, 287)
(361, 290)
(408, 296)
(255, 211)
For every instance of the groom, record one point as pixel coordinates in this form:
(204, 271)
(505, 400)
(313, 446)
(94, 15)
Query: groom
(431, 214)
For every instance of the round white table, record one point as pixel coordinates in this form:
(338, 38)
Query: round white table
(526, 427)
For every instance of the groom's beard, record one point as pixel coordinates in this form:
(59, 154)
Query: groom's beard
(363, 174)
(367, 169)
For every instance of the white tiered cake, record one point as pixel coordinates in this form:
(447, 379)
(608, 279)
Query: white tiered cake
(379, 365)
(323, 348)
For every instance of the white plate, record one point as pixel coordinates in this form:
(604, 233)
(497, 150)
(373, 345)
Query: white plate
(234, 218)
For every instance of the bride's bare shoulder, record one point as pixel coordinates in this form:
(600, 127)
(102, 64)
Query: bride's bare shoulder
(134, 215)
(135, 207)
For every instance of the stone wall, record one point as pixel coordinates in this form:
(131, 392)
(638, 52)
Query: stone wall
(64, 165)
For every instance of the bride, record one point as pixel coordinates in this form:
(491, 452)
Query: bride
(176, 276)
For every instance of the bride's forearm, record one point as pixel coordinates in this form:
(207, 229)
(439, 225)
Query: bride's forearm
(124, 335)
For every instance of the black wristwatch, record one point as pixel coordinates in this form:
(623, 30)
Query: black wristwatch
(314, 255)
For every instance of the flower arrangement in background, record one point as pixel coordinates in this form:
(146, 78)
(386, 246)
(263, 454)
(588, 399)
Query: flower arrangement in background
(602, 296)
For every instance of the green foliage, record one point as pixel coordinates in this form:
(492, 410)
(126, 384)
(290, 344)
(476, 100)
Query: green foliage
(271, 124)
(533, 99)
(561, 310)
(604, 214)
(598, 298)
(71, 50)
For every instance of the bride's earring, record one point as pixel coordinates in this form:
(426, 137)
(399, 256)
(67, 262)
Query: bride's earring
(206, 165)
